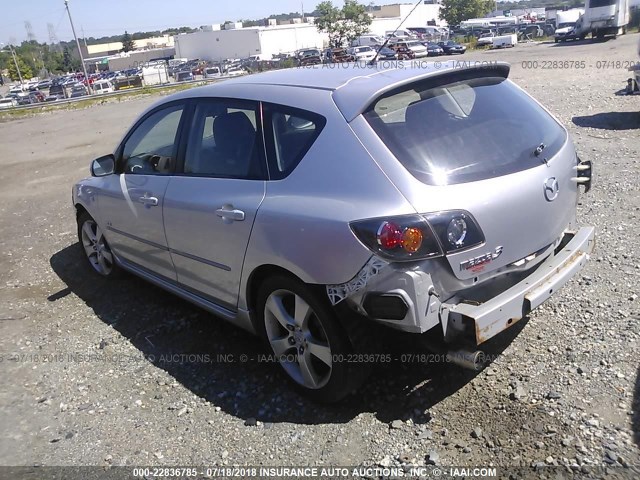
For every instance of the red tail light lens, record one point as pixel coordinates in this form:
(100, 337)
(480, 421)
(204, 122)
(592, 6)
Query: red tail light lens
(400, 238)
(389, 235)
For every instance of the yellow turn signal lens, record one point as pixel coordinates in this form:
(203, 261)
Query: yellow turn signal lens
(411, 240)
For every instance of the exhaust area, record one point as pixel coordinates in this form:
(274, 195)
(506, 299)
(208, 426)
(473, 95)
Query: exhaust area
(470, 360)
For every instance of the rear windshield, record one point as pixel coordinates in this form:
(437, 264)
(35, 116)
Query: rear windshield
(465, 130)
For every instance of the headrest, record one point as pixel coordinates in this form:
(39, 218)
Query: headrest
(233, 129)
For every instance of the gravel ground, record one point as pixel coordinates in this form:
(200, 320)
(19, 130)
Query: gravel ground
(79, 386)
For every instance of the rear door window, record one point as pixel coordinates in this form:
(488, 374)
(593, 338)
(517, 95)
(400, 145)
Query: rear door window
(225, 140)
(469, 129)
(289, 134)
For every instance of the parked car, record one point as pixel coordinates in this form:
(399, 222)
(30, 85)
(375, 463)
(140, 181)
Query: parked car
(531, 31)
(362, 54)
(565, 31)
(103, 86)
(184, 76)
(399, 34)
(44, 84)
(437, 200)
(402, 51)
(433, 49)
(307, 52)
(369, 40)
(337, 55)
(23, 98)
(309, 56)
(8, 102)
(418, 49)
(79, 91)
(198, 68)
(37, 96)
(57, 91)
(425, 33)
(212, 72)
(485, 39)
(451, 47)
(236, 71)
(386, 53)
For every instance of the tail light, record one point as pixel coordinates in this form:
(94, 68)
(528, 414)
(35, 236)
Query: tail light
(416, 237)
(456, 229)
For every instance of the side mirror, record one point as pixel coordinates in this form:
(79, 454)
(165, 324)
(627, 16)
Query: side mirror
(103, 166)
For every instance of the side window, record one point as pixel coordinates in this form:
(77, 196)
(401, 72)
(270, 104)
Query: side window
(289, 135)
(151, 149)
(224, 141)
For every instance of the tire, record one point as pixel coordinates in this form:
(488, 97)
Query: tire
(95, 247)
(301, 328)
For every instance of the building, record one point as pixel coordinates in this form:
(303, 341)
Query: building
(129, 60)
(233, 42)
(106, 49)
(219, 42)
(388, 17)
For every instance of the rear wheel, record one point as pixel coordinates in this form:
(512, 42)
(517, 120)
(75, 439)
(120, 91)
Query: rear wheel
(95, 246)
(306, 338)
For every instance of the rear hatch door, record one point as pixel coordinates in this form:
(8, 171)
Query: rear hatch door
(474, 141)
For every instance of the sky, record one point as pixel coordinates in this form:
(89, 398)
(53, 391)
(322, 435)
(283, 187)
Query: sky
(100, 18)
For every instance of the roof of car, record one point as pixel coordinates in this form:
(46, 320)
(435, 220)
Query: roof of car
(354, 86)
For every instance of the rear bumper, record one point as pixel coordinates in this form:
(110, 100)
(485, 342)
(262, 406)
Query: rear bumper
(406, 298)
(502, 311)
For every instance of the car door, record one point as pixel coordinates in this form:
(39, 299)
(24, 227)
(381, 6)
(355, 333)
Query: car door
(131, 203)
(211, 203)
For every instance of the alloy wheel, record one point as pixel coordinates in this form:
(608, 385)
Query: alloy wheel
(298, 339)
(96, 248)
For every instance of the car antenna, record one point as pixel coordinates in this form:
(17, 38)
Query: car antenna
(374, 59)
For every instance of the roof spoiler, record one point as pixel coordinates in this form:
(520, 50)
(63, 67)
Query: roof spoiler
(447, 72)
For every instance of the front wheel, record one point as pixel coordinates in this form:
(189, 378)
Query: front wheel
(95, 246)
(306, 339)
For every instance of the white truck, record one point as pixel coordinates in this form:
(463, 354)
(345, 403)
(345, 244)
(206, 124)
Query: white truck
(604, 17)
(567, 24)
(155, 74)
(504, 41)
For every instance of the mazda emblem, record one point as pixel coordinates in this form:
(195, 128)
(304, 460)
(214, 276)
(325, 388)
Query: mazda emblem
(551, 189)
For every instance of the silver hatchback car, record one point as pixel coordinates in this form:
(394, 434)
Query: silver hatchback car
(304, 204)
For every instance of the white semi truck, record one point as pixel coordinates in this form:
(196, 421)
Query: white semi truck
(604, 17)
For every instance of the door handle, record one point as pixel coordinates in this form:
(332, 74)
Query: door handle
(227, 212)
(148, 201)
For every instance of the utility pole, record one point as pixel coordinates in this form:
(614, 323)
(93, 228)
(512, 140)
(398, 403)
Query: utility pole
(15, 61)
(84, 39)
(84, 67)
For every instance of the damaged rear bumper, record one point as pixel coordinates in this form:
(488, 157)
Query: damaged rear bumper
(407, 299)
(500, 312)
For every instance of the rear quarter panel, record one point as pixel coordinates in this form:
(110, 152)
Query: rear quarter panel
(303, 222)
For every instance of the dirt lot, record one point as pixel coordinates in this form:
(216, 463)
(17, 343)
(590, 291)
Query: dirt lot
(99, 373)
